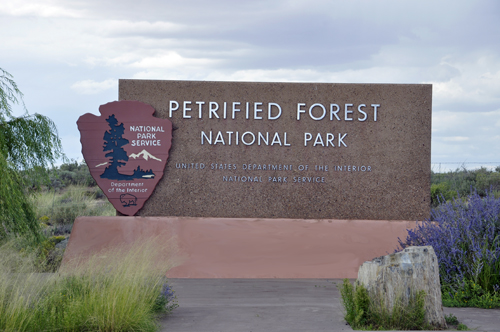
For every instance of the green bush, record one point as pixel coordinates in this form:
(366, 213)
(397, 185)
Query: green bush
(452, 322)
(451, 319)
(28, 145)
(64, 206)
(471, 295)
(463, 182)
(364, 313)
(120, 289)
(43, 254)
(71, 173)
(462, 327)
(441, 193)
(56, 212)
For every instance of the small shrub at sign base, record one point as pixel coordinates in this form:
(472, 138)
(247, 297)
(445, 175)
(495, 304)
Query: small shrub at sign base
(462, 327)
(465, 234)
(451, 319)
(365, 313)
(453, 323)
(166, 301)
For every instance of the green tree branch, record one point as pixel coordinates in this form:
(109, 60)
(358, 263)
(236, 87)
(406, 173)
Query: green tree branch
(28, 146)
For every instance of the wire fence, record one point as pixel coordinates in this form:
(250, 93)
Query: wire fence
(447, 166)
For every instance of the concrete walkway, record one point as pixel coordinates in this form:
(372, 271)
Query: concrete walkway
(253, 305)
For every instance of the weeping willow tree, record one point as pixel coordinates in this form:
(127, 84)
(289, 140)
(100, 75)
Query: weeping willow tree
(28, 145)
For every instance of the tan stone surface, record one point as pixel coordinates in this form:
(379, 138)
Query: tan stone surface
(248, 248)
(397, 277)
(396, 147)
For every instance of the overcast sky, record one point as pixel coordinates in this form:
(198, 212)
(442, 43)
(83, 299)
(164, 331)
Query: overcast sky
(67, 56)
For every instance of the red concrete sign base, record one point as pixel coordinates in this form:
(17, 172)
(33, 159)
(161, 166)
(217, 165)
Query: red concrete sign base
(249, 248)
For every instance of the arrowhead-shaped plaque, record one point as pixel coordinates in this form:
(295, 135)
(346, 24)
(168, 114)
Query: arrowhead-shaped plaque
(126, 150)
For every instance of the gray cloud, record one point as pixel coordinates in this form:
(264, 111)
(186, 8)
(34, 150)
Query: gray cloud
(65, 53)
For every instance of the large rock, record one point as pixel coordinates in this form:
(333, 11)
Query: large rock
(403, 274)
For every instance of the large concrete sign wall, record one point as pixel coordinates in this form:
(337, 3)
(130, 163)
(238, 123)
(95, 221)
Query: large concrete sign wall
(291, 150)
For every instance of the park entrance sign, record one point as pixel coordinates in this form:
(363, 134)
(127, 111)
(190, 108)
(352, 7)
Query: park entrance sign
(280, 150)
(259, 180)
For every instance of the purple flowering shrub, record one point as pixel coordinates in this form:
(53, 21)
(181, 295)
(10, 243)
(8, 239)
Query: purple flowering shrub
(465, 234)
(166, 300)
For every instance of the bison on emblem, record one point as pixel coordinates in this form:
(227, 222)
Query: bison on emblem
(128, 200)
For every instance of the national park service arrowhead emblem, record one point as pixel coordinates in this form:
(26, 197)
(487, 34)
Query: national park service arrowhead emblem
(126, 149)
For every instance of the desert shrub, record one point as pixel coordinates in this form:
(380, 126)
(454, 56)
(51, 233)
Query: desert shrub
(71, 173)
(119, 289)
(49, 257)
(43, 253)
(471, 295)
(465, 234)
(64, 206)
(454, 324)
(166, 301)
(355, 311)
(441, 193)
(56, 212)
(463, 182)
(451, 319)
(365, 313)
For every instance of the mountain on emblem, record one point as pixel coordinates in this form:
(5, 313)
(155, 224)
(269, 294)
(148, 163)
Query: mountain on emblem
(113, 148)
(144, 154)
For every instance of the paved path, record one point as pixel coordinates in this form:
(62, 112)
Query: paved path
(253, 305)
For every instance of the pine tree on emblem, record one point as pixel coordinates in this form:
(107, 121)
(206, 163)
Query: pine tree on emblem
(113, 142)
